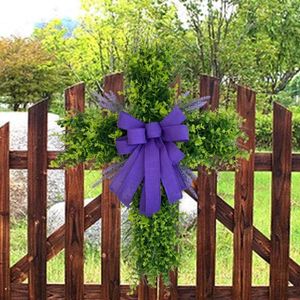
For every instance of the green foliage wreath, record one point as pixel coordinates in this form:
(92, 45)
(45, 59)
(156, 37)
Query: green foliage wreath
(153, 248)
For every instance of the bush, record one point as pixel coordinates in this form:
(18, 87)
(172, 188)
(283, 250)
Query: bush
(264, 130)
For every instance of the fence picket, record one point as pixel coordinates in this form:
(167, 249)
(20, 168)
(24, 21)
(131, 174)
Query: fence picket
(74, 212)
(37, 199)
(243, 206)
(281, 202)
(210, 206)
(169, 292)
(206, 219)
(56, 240)
(145, 292)
(4, 213)
(111, 218)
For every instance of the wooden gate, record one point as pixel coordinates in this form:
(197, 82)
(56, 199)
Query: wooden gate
(211, 207)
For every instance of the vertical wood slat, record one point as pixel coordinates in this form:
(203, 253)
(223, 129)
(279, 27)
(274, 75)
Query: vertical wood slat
(37, 199)
(5, 290)
(145, 292)
(74, 211)
(243, 207)
(281, 202)
(169, 292)
(111, 218)
(206, 219)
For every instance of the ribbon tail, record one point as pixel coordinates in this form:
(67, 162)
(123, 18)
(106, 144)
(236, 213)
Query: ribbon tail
(176, 156)
(127, 181)
(169, 177)
(180, 180)
(151, 197)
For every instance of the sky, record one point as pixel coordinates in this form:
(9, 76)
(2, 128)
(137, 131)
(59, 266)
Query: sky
(18, 17)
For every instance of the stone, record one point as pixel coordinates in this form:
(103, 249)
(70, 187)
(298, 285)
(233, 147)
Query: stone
(56, 218)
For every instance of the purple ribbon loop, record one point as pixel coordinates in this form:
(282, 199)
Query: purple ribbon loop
(153, 160)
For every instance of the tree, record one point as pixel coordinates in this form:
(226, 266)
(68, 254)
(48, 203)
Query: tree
(27, 73)
(247, 42)
(107, 33)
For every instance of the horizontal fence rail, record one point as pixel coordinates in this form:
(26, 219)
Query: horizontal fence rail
(262, 161)
(95, 292)
(211, 207)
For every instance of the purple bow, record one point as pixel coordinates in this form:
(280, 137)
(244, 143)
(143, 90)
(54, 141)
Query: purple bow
(154, 158)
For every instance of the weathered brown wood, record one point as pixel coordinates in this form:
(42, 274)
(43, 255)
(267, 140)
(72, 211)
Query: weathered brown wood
(281, 202)
(145, 292)
(74, 212)
(243, 207)
(206, 234)
(206, 220)
(176, 84)
(115, 83)
(37, 199)
(261, 244)
(4, 213)
(56, 241)
(95, 292)
(169, 292)
(209, 86)
(111, 222)
(111, 218)
(262, 161)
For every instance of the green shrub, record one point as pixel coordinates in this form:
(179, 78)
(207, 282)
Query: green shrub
(264, 130)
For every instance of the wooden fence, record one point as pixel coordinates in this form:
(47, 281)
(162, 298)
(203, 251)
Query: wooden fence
(284, 272)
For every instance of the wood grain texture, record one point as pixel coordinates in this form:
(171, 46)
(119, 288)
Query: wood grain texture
(206, 233)
(74, 212)
(209, 86)
(56, 241)
(169, 292)
(262, 161)
(95, 292)
(115, 83)
(261, 244)
(243, 206)
(145, 292)
(206, 219)
(111, 228)
(281, 202)
(283, 268)
(37, 199)
(111, 218)
(4, 213)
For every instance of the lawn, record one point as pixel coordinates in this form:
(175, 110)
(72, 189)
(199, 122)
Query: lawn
(262, 211)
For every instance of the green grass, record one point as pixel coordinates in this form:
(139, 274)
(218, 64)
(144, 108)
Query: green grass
(187, 271)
